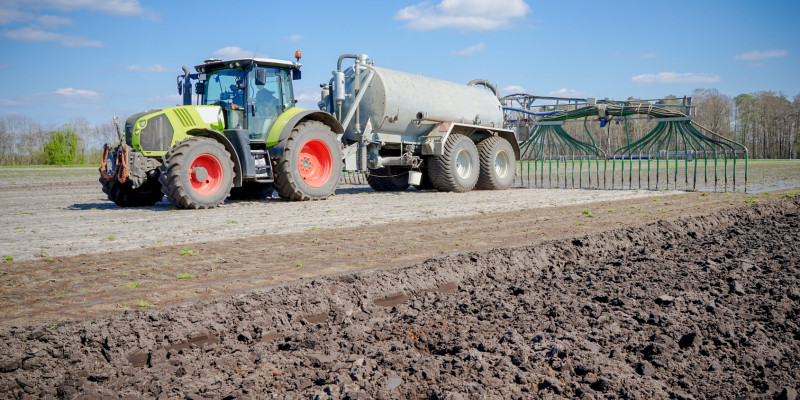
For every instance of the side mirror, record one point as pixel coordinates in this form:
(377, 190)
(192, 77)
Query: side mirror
(261, 76)
(296, 75)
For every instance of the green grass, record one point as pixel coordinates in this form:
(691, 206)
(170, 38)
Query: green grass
(112, 238)
(132, 285)
(8, 258)
(95, 165)
(185, 276)
(588, 213)
(187, 252)
(144, 303)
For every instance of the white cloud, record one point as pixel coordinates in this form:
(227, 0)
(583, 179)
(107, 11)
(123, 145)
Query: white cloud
(566, 92)
(293, 38)
(113, 7)
(673, 77)
(231, 52)
(511, 89)
(10, 103)
(649, 55)
(760, 55)
(154, 68)
(10, 15)
(469, 50)
(473, 15)
(30, 34)
(77, 93)
(307, 97)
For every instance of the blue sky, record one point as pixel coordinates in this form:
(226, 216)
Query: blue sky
(62, 59)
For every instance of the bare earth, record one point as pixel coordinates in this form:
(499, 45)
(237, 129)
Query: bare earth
(77, 255)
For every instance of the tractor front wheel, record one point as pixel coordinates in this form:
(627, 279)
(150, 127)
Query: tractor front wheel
(197, 173)
(311, 165)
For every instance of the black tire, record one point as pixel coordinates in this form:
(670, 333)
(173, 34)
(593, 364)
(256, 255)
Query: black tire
(456, 170)
(251, 191)
(197, 173)
(498, 164)
(124, 195)
(309, 178)
(388, 179)
(425, 183)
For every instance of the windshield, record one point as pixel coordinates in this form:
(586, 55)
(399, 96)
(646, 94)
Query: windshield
(222, 88)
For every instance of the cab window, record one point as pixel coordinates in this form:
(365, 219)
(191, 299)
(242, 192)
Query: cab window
(264, 102)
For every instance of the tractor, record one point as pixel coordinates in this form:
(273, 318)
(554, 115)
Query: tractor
(243, 139)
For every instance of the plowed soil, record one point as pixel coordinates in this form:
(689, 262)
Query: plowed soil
(637, 295)
(703, 307)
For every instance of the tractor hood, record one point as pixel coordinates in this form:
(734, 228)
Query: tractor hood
(153, 132)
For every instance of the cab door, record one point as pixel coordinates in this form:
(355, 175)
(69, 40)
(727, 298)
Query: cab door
(264, 101)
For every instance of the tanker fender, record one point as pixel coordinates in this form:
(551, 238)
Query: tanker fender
(282, 129)
(434, 142)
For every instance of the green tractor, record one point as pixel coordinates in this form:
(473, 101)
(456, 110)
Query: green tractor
(243, 139)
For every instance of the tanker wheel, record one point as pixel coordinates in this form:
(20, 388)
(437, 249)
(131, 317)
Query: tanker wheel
(311, 165)
(456, 170)
(124, 195)
(251, 191)
(425, 183)
(498, 164)
(197, 173)
(388, 179)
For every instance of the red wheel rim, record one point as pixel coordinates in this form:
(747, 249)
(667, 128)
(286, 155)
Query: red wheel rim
(315, 163)
(205, 174)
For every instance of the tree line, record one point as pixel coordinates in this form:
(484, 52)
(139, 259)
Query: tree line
(768, 123)
(24, 141)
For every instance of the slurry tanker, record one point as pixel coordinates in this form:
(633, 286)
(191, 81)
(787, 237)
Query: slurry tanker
(244, 137)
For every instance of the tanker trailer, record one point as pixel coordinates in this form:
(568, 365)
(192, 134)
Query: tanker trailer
(407, 129)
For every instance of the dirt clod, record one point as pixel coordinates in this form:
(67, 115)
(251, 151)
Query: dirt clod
(634, 312)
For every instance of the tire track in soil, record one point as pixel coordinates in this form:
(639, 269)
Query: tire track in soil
(703, 307)
(77, 287)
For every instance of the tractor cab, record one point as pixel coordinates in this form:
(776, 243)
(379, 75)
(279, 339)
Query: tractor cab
(251, 92)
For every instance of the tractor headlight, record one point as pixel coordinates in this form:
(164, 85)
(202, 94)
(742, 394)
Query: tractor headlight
(141, 124)
(136, 132)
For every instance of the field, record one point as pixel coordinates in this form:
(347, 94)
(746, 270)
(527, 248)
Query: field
(523, 293)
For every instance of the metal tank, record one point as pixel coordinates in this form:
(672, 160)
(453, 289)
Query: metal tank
(400, 103)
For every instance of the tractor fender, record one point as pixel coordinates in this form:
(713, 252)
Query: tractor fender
(282, 128)
(237, 163)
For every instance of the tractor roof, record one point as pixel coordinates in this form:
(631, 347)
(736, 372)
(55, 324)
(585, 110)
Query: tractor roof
(214, 64)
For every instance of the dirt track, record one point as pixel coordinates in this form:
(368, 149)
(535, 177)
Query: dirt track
(43, 217)
(705, 307)
(245, 246)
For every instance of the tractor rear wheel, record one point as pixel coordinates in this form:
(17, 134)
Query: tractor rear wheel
(456, 170)
(197, 173)
(388, 179)
(498, 164)
(124, 195)
(251, 191)
(311, 165)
